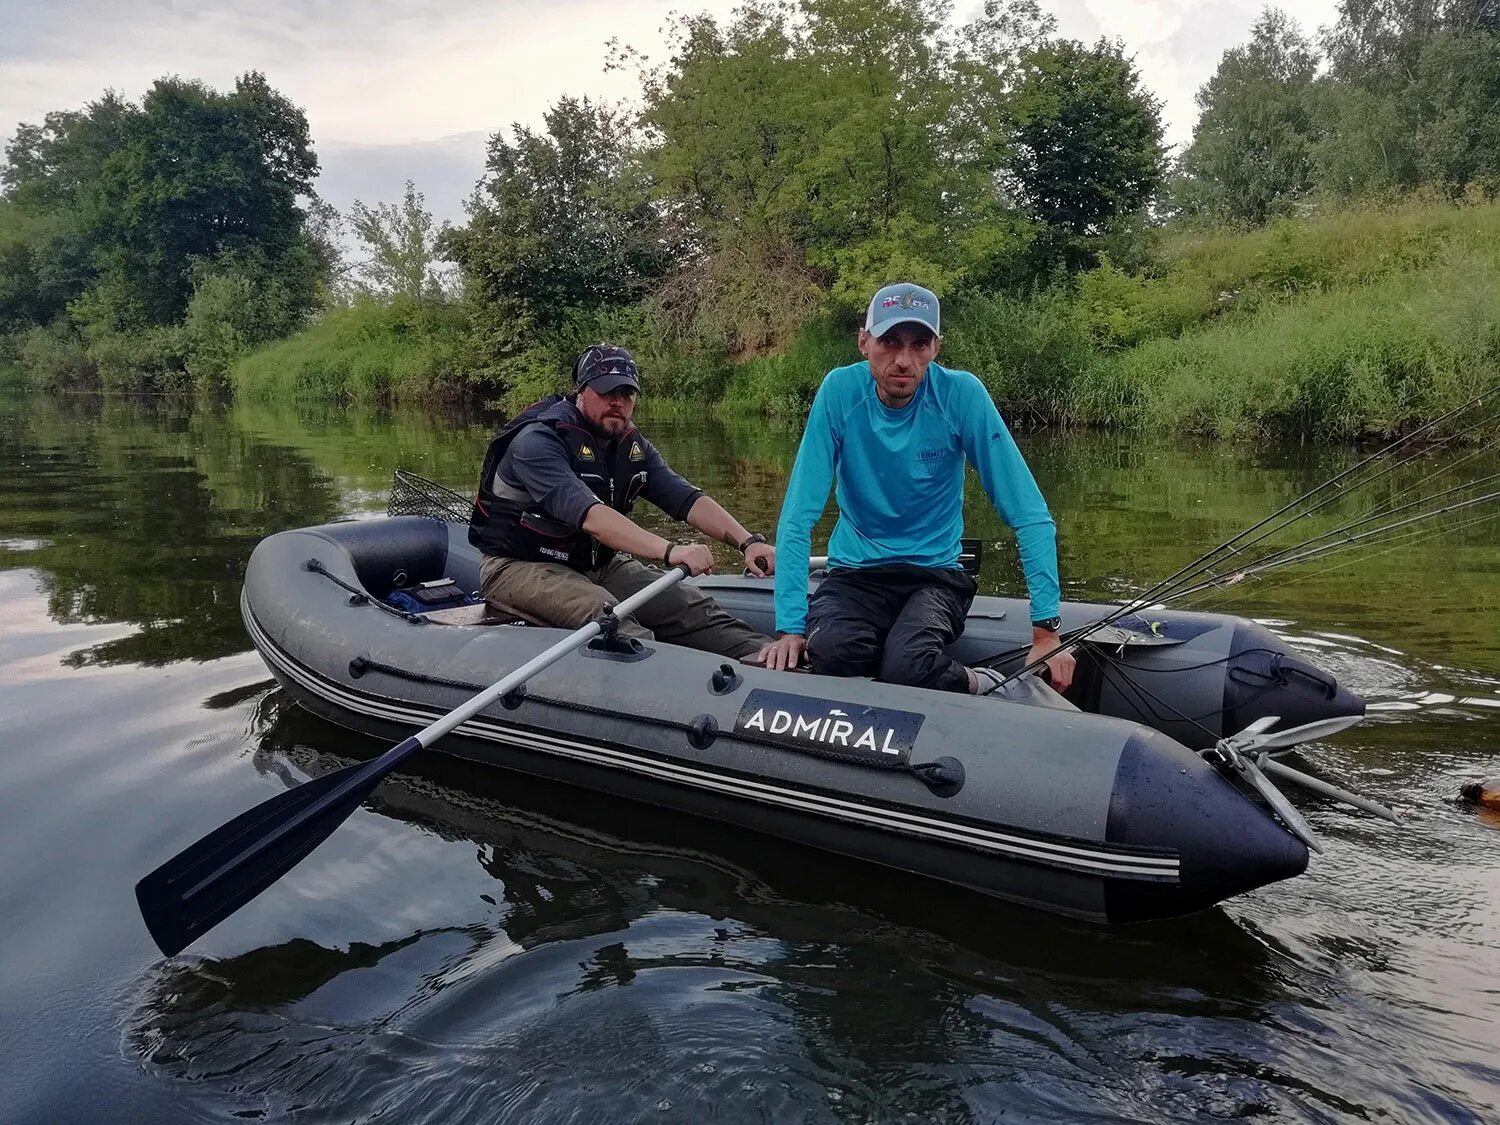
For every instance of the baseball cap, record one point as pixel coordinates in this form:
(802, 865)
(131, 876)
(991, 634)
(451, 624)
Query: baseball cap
(604, 368)
(902, 303)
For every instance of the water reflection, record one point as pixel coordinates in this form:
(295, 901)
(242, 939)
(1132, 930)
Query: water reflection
(491, 948)
(894, 994)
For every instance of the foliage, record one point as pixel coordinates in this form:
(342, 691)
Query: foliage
(369, 351)
(115, 216)
(1252, 154)
(401, 247)
(562, 221)
(1407, 101)
(1371, 358)
(1087, 142)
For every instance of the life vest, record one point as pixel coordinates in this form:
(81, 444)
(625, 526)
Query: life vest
(508, 523)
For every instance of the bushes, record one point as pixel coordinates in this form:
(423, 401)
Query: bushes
(1338, 364)
(1030, 351)
(1331, 327)
(370, 350)
(54, 357)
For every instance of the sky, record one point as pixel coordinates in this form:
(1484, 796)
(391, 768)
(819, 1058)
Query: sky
(412, 89)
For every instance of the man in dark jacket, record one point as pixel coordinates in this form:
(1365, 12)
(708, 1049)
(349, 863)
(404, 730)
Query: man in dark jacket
(553, 510)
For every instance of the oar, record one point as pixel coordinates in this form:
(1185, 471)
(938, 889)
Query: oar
(202, 885)
(1247, 753)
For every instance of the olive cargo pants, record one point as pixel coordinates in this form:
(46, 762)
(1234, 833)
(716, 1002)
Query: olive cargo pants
(549, 593)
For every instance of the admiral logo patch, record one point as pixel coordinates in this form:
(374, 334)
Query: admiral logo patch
(799, 722)
(636, 452)
(585, 453)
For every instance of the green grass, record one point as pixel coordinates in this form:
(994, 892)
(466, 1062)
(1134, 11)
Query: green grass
(1376, 357)
(369, 351)
(1333, 326)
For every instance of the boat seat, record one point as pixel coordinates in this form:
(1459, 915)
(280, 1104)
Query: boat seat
(470, 615)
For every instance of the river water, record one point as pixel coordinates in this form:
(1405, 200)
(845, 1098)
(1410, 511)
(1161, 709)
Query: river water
(474, 946)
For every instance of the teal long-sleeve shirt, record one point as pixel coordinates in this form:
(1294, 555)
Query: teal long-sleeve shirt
(899, 477)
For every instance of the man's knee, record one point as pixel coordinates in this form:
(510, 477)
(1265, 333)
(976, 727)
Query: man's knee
(833, 651)
(923, 668)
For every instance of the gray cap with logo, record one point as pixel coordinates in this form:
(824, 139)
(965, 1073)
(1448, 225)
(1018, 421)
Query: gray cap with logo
(604, 368)
(902, 303)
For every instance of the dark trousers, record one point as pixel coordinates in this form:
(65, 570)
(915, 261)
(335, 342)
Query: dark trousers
(892, 622)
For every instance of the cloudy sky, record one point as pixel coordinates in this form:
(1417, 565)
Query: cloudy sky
(398, 89)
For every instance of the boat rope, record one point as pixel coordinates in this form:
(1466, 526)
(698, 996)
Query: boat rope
(944, 776)
(362, 597)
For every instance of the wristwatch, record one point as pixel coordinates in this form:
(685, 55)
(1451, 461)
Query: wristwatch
(750, 540)
(1050, 624)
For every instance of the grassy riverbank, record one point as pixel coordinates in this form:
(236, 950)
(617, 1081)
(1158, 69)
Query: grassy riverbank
(1324, 327)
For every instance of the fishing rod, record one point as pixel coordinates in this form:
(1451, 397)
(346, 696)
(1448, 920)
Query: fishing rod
(1304, 551)
(1394, 543)
(1345, 491)
(1193, 570)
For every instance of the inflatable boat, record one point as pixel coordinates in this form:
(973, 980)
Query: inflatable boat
(1104, 810)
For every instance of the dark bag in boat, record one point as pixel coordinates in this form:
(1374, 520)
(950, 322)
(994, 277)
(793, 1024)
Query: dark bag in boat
(424, 597)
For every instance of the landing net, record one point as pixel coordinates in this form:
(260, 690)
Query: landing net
(413, 495)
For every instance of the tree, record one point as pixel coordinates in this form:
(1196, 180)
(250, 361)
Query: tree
(401, 240)
(727, 125)
(861, 134)
(199, 174)
(1413, 90)
(164, 238)
(562, 221)
(1086, 142)
(1253, 149)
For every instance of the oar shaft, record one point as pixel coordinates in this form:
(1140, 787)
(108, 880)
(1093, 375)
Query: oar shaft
(431, 733)
(1307, 781)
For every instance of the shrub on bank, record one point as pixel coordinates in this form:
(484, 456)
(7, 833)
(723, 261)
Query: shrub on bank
(1372, 358)
(369, 350)
(1357, 322)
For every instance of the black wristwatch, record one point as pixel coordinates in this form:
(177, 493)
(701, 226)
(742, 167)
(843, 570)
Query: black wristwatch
(1050, 624)
(750, 540)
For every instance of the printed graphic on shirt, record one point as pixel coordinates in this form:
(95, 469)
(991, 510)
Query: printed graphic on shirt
(932, 458)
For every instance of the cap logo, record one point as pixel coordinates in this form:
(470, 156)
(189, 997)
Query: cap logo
(906, 301)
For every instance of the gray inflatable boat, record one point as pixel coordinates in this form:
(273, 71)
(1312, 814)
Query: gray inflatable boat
(1105, 812)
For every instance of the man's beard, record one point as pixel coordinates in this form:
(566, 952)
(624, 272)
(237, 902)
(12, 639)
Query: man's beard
(612, 425)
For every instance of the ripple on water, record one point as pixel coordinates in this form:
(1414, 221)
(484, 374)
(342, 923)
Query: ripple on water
(613, 972)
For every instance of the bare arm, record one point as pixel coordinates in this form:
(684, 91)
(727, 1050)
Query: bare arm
(710, 517)
(623, 534)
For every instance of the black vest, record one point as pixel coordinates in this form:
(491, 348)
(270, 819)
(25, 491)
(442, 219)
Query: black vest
(510, 525)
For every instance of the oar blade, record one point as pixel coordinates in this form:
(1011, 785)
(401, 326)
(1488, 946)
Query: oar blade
(202, 885)
(1280, 805)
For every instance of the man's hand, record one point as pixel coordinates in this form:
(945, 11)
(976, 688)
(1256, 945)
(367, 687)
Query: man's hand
(695, 556)
(761, 558)
(1060, 666)
(784, 653)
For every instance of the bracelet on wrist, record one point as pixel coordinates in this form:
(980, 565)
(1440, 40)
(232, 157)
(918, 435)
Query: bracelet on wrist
(750, 540)
(666, 556)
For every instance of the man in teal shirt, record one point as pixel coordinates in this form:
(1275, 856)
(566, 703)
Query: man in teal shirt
(893, 434)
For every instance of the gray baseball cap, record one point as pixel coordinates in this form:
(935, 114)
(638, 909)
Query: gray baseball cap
(604, 368)
(902, 303)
